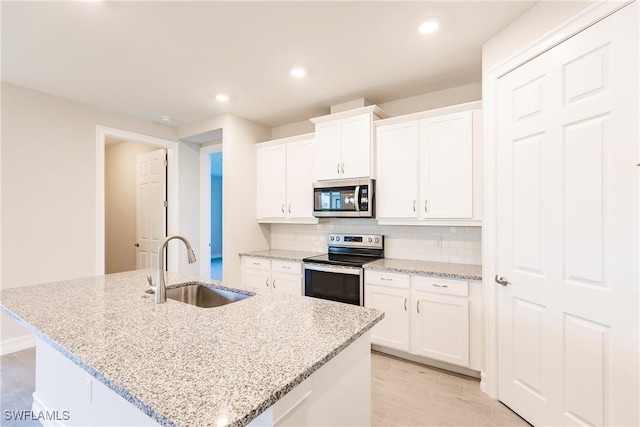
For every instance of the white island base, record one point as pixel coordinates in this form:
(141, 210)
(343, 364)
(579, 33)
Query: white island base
(337, 394)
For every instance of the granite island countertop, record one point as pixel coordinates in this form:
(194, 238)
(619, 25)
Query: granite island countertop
(441, 269)
(281, 254)
(183, 365)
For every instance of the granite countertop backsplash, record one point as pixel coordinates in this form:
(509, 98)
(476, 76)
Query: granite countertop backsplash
(442, 269)
(183, 365)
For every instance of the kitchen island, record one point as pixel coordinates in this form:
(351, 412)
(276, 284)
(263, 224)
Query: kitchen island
(177, 364)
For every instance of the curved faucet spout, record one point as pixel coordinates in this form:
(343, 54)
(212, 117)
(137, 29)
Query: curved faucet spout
(161, 289)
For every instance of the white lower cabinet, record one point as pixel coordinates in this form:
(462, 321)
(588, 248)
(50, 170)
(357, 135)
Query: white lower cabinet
(425, 316)
(281, 276)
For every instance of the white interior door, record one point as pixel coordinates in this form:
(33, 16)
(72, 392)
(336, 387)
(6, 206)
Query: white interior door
(151, 194)
(567, 124)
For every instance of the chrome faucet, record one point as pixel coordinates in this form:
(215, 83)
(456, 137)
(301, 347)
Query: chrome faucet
(161, 289)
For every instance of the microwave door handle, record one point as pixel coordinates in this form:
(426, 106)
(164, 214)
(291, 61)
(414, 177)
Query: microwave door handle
(357, 197)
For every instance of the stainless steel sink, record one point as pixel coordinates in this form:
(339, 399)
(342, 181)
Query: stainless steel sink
(202, 296)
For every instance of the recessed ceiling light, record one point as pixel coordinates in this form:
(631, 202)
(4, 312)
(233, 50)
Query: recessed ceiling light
(428, 27)
(166, 119)
(222, 97)
(298, 72)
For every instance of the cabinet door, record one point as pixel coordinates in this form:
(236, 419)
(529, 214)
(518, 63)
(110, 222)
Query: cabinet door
(288, 283)
(446, 181)
(356, 146)
(328, 149)
(300, 164)
(272, 181)
(256, 278)
(397, 182)
(393, 330)
(440, 327)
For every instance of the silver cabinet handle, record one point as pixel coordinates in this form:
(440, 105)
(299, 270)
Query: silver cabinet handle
(283, 208)
(338, 168)
(425, 205)
(289, 207)
(267, 282)
(418, 306)
(273, 284)
(343, 167)
(502, 280)
(439, 286)
(405, 304)
(414, 205)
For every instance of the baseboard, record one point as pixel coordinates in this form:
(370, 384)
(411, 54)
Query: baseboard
(426, 361)
(22, 342)
(41, 407)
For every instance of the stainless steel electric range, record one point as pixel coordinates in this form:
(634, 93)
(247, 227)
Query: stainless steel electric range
(339, 274)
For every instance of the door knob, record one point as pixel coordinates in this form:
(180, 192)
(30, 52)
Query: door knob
(137, 245)
(502, 280)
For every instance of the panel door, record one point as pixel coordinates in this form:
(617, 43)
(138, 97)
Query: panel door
(356, 146)
(151, 213)
(446, 166)
(272, 181)
(328, 150)
(288, 283)
(256, 278)
(568, 230)
(440, 327)
(300, 164)
(397, 171)
(393, 330)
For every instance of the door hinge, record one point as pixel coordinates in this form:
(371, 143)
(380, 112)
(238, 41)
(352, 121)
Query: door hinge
(166, 203)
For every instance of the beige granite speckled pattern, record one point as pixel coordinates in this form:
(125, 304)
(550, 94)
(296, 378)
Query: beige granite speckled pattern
(183, 365)
(442, 269)
(281, 254)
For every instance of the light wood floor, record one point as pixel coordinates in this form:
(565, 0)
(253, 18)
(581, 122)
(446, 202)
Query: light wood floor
(409, 394)
(403, 393)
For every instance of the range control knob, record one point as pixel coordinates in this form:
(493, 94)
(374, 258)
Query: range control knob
(377, 240)
(338, 238)
(370, 240)
(332, 238)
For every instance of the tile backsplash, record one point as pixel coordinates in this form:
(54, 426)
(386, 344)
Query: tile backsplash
(426, 243)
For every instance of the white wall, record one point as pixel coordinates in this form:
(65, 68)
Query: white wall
(120, 205)
(189, 209)
(414, 104)
(459, 244)
(48, 167)
(536, 22)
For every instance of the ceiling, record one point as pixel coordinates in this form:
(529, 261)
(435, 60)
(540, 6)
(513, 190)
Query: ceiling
(153, 58)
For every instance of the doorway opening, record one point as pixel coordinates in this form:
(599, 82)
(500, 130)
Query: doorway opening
(109, 136)
(215, 161)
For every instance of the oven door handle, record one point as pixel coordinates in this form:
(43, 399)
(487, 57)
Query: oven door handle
(333, 269)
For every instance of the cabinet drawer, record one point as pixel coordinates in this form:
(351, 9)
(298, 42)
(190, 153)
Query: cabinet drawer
(286, 267)
(386, 278)
(256, 263)
(440, 285)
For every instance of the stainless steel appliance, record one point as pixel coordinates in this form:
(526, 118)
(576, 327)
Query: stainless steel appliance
(344, 198)
(338, 275)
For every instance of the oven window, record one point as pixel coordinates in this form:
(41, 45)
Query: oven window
(332, 286)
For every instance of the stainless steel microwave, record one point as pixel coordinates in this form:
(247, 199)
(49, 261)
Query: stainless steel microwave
(350, 198)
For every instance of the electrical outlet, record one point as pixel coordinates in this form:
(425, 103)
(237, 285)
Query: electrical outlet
(437, 242)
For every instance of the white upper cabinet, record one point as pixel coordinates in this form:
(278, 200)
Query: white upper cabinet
(446, 181)
(344, 144)
(397, 183)
(429, 167)
(272, 181)
(285, 180)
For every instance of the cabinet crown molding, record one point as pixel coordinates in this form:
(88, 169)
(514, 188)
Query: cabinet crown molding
(287, 139)
(377, 111)
(475, 105)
